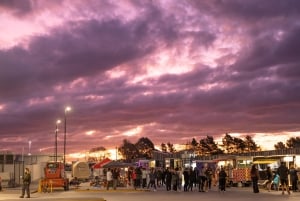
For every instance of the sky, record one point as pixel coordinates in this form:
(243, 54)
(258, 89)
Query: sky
(167, 70)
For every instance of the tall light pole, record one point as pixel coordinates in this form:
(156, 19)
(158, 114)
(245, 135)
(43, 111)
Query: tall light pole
(65, 136)
(55, 144)
(29, 147)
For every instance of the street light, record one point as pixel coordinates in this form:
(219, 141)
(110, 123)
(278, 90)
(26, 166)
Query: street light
(65, 136)
(55, 145)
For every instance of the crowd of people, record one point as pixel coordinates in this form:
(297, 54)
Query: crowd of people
(177, 179)
(280, 177)
(200, 178)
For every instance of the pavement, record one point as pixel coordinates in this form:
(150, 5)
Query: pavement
(88, 193)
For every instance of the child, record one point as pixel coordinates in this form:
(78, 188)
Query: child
(276, 182)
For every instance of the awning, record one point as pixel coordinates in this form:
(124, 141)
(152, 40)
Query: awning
(264, 161)
(101, 163)
(117, 164)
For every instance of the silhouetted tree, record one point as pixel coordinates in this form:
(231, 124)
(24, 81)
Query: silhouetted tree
(145, 147)
(128, 150)
(279, 145)
(228, 143)
(293, 142)
(194, 143)
(250, 144)
(171, 147)
(163, 147)
(209, 147)
(240, 145)
(195, 147)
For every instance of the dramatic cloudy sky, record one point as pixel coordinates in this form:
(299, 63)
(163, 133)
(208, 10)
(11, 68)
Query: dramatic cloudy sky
(169, 70)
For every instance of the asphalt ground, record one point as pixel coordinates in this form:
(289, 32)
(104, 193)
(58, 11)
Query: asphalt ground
(88, 193)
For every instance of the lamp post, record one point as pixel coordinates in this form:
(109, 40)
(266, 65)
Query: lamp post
(65, 136)
(55, 143)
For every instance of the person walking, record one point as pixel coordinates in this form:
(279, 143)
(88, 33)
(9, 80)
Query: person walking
(283, 172)
(26, 183)
(254, 177)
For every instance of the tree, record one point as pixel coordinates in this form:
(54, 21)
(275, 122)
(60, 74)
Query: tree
(250, 144)
(128, 150)
(228, 143)
(240, 145)
(194, 143)
(145, 147)
(209, 146)
(171, 147)
(163, 147)
(195, 146)
(293, 142)
(98, 151)
(279, 145)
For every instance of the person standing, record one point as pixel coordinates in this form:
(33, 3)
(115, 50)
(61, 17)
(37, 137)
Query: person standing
(179, 173)
(144, 177)
(174, 179)
(209, 175)
(269, 178)
(193, 178)
(133, 176)
(222, 179)
(138, 173)
(283, 172)
(202, 179)
(0, 183)
(186, 178)
(108, 178)
(294, 178)
(26, 183)
(115, 176)
(254, 177)
(152, 179)
(276, 182)
(168, 180)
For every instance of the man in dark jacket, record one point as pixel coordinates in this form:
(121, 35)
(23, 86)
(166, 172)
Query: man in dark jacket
(283, 172)
(26, 183)
(222, 179)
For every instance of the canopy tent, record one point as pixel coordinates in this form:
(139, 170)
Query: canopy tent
(101, 163)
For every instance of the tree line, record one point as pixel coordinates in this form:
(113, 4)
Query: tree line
(207, 146)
